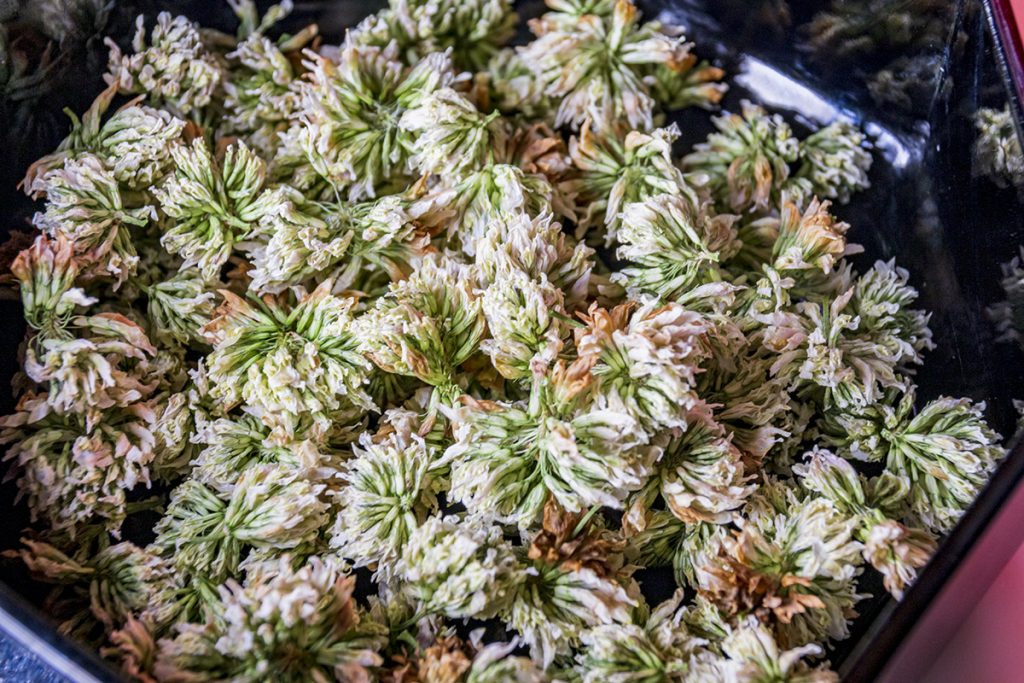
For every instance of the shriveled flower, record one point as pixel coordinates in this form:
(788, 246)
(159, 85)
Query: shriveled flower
(526, 323)
(946, 449)
(538, 247)
(846, 351)
(671, 246)
(261, 94)
(747, 160)
(84, 205)
(458, 568)
(179, 307)
(659, 651)
(595, 66)
(997, 150)
(300, 624)
(119, 581)
(693, 84)
(509, 457)
(134, 143)
(351, 114)
(71, 476)
(204, 534)
(894, 549)
(835, 161)
(391, 489)
(792, 566)
(361, 246)
(174, 69)
(426, 326)
(701, 476)
(754, 656)
(212, 203)
(231, 446)
(46, 274)
(103, 367)
(495, 193)
(450, 137)
(646, 361)
(293, 366)
(812, 240)
(614, 173)
(473, 30)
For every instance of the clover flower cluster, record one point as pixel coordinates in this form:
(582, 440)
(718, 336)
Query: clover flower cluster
(424, 328)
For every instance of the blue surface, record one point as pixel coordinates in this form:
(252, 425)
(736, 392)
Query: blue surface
(17, 665)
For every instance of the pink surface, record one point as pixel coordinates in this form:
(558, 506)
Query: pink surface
(989, 646)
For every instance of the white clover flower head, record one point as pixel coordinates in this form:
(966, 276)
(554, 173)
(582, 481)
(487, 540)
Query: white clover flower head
(459, 568)
(594, 66)
(84, 205)
(300, 623)
(174, 68)
(835, 161)
(391, 490)
(211, 203)
(292, 367)
(747, 159)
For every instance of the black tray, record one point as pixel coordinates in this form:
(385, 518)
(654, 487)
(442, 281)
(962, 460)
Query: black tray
(926, 208)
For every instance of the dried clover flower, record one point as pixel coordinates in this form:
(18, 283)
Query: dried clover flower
(292, 366)
(754, 656)
(856, 345)
(595, 66)
(135, 143)
(450, 137)
(174, 69)
(211, 203)
(204, 534)
(426, 326)
(350, 117)
(179, 307)
(946, 449)
(575, 579)
(997, 151)
(659, 651)
(231, 446)
(792, 565)
(646, 361)
(361, 246)
(525, 318)
(894, 549)
(813, 240)
(103, 367)
(537, 247)
(46, 273)
(71, 476)
(84, 204)
(458, 568)
(119, 581)
(495, 193)
(472, 30)
(835, 162)
(508, 457)
(614, 173)
(261, 95)
(747, 160)
(392, 488)
(671, 246)
(700, 475)
(301, 624)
